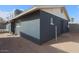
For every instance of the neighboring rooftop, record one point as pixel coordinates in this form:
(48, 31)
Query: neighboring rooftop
(2, 20)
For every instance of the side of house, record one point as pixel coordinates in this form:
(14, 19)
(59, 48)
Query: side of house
(48, 22)
(38, 25)
(2, 25)
(30, 26)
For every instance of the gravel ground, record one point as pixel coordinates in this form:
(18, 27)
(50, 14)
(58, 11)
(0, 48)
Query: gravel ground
(68, 42)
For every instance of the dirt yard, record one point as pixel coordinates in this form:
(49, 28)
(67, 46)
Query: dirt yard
(66, 43)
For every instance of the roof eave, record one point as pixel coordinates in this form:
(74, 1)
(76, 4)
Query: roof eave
(24, 13)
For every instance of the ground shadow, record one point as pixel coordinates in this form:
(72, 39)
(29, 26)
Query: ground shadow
(67, 37)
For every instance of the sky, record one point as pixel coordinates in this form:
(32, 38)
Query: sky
(5, 10)
(73, 12)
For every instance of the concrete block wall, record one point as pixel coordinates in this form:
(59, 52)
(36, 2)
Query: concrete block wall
(74, 27)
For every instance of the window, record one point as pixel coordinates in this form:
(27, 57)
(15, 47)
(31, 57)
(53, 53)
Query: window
(51, 21)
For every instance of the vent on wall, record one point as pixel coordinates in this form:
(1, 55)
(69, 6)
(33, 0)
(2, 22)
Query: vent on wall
(51, 21)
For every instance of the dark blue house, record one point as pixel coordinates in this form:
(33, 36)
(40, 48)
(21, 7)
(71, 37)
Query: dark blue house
(38, 24)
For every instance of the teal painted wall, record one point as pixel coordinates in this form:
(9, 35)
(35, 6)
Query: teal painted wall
(31, 28)
(29, 25)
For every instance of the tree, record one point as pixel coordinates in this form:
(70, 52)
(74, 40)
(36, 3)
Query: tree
(1, 20)
(72, 19)
(17, 12)
(14, 13)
